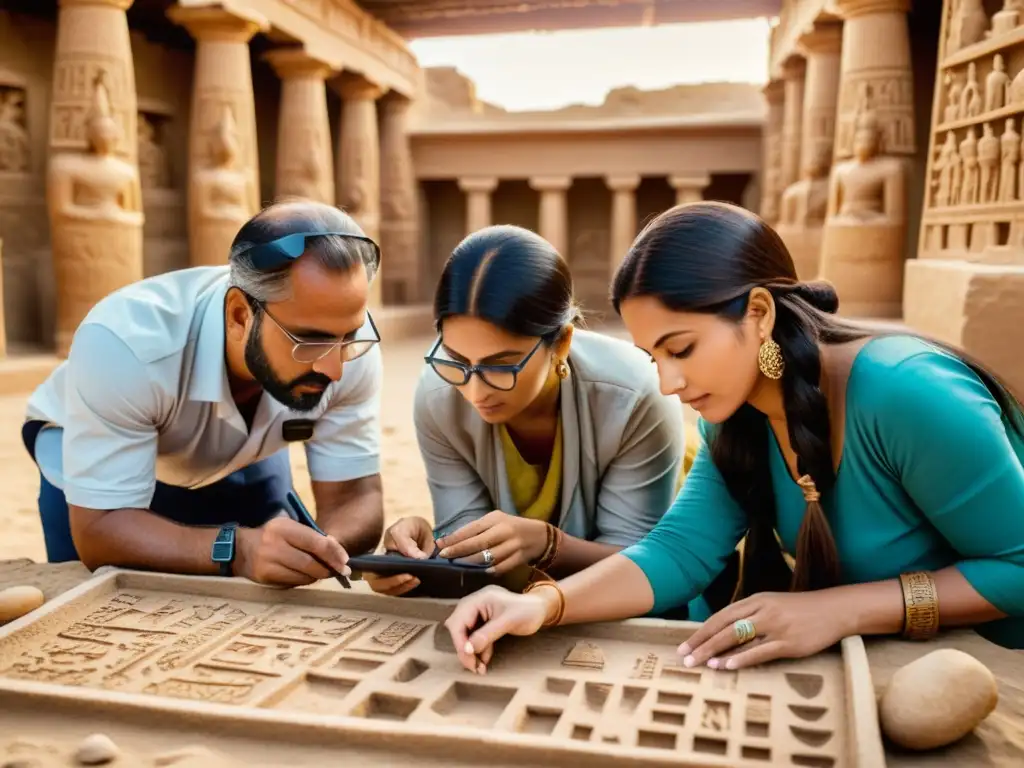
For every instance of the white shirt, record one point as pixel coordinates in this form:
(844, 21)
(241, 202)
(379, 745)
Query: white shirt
(144, 396)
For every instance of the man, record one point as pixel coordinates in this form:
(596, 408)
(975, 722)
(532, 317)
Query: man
(165, 431)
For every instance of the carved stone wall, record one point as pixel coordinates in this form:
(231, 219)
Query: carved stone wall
(967, 285)
(774, 93)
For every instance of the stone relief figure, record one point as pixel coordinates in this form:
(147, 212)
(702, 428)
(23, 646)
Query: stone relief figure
(969, 154)
(1007, 19)
(14, 138)
(1010, 144)
(988, 159)
(997, 85)
(152, 160)
(970, 97)
(868, 188)
(95, 203)
(952, 111)
(947, 164)
(220, 194)
(805, 203)
(968, 25)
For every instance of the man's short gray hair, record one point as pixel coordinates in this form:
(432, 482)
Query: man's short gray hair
(333, 252)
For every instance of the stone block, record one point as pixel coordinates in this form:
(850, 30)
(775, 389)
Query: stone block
(977, 307)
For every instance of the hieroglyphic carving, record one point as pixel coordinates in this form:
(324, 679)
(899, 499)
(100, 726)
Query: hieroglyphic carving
(891, 96)
(390, 638)
(73, 79)
(14, 136)
(96, 219)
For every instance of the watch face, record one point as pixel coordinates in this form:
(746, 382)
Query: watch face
(224, 546)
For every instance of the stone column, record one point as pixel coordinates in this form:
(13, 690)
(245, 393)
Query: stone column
(478, 191)
(689, 189)
(305, 166)
(866, 218)
(93, 188)
(358, 168)
(774, 94)
(399, 229)
(804, 202)
(793, 72)
(554, 211)
(623, 216)
(223, 169)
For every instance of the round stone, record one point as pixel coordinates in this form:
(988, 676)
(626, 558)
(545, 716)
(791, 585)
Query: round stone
(937, 699)
(97, 749)
(15, 602)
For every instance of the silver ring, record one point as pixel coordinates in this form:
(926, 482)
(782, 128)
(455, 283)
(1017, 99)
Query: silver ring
(488, 557)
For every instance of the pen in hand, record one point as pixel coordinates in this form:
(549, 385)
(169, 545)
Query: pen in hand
(304, 517)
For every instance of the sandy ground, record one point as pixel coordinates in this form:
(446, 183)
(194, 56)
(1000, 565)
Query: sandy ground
(405, 488)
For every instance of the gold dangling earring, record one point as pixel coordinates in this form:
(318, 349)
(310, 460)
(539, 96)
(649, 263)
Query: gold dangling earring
(769, 359)
(561, 369)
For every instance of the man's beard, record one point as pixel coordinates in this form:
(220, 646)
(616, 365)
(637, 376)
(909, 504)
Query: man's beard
(261, 370)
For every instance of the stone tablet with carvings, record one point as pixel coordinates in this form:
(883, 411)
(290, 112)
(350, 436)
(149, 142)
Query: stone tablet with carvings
(224, 657)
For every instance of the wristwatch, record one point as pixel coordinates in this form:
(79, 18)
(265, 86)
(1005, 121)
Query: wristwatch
(223, 551)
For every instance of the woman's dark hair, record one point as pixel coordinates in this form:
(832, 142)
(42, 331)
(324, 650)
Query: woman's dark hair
(707, 257)
(510, 277)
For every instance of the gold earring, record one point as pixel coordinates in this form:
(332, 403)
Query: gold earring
(769, 359)
(561, 369)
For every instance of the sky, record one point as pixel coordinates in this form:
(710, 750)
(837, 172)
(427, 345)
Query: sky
(548, 70)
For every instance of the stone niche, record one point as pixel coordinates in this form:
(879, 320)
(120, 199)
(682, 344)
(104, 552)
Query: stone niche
(969, 276)
(165, 244)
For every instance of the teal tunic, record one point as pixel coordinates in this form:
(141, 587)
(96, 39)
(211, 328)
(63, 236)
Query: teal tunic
(930, 476)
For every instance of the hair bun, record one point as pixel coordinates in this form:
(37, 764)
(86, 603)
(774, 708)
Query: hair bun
(820, 294)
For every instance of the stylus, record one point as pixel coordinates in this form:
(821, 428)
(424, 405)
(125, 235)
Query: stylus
(300, 509)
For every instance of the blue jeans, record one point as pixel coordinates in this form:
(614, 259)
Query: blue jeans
(250, 496)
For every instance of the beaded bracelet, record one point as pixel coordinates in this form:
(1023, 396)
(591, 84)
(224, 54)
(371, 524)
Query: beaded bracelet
(920, 605)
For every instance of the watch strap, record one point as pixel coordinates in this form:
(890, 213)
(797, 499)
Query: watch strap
(223, 551)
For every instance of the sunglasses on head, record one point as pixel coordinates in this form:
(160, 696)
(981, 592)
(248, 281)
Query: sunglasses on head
(266, 256)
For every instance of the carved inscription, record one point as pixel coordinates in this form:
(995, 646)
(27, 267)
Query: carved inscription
(586, 655)
(390, 639)
(645, 667)
(73, 78)
(891, 97)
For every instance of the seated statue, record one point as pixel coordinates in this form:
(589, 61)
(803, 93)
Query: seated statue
(220, 197)
(95, 203)
(804, 203)
(865, 224)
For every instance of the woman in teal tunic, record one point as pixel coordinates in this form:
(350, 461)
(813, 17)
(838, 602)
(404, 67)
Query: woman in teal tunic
(888, 466)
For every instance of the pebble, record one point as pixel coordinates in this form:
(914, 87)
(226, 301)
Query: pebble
(15, 602)
(937, 699)
(97, 749)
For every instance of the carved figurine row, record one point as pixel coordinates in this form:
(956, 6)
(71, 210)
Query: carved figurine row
(979, 170)
(964, 99)
(969, 24)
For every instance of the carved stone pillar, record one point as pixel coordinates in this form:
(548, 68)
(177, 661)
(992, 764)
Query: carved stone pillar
(866, 218)
(93, 189)
(554, 211)
(774, 93)
(305, 166)
(793, 73)
(223, 168)
(358, 168)
(478, 201)
(804, 202)
(623, 216)
(689, 189)
(399, 229)
(966, 286)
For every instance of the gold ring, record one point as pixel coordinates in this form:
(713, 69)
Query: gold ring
(744, 631)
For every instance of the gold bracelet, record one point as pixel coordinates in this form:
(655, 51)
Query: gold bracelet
(550, 548)
(920, 605)
(561, 601)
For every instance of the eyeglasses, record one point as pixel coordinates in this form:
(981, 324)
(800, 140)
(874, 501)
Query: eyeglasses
(501, 377)
(270, 255)
(310, 351)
